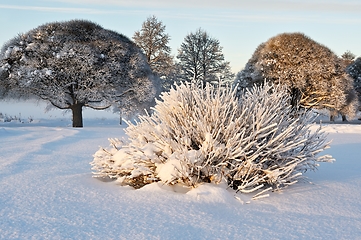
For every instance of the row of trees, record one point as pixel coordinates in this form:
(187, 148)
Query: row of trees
(315, 76)
(78, 64)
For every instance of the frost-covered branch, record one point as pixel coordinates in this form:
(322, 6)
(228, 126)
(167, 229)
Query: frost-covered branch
(198, 135)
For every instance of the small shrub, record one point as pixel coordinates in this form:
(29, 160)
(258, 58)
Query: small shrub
(198, 135)
(7, 118)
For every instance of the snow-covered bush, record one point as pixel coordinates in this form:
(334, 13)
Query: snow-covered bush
(7, 118)
(206, 134)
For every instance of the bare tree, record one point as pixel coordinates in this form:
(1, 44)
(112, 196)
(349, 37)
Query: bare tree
(154, 42)
(315, 76)
(76, 64)
(202, 60)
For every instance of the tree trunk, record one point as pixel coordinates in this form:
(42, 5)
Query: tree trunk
(344, 118)
(295, 98)
(77, 110)
(333, 115)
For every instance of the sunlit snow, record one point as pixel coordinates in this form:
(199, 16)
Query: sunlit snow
(47, 192)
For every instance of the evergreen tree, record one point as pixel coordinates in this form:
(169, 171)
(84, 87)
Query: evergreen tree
(314, 75)
(201, 59)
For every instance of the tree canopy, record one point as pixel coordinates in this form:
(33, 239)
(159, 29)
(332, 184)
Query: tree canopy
(76, 64)
(315, 76)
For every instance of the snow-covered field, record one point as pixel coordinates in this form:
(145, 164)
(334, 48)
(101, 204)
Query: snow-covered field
(47, 192)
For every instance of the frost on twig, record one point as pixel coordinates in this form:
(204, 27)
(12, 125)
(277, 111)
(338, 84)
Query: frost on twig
(206, 134)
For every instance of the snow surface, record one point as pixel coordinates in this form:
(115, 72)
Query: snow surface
(47, 192)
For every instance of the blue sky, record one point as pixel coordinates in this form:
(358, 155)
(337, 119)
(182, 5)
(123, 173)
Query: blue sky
(239, 25)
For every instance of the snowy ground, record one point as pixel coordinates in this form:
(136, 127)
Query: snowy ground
(47, 192)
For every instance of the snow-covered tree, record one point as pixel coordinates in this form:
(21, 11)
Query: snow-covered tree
(76, 64)
(354, 69)
(348, 57)
(205, 134)
(315, 76)
(201, 59)
(154, 42)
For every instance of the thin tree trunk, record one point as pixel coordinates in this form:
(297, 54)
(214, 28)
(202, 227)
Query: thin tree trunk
(333, 115)
(344, 118)
(295, 98)
(77, 110)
